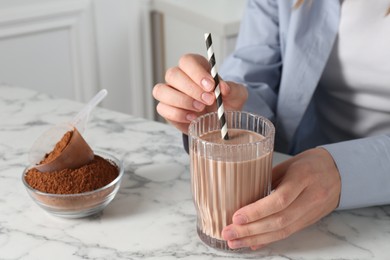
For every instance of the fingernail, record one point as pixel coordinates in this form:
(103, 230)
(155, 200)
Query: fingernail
(256, 247)
(229, 234)
(198, 105)
(208, 98)
(207, 84)
(235, 244)
(240, 219)
(190, 117)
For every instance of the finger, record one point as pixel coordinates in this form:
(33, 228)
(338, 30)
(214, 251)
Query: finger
(297, 210)
(267, 238)
(308, 208)
(199, 70)
(170, 96)
(174, 114)
(235, 90)
(256, 247)
(225, 88)
(281, 198)
(179, 80)
(234, 95)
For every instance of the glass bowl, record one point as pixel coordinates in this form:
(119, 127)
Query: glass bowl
(81, 204)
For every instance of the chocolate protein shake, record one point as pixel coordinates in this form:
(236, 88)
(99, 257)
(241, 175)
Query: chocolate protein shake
(228, 174)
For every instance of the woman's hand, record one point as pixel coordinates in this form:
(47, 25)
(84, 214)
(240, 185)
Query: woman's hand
(306, 188)
(189, 92)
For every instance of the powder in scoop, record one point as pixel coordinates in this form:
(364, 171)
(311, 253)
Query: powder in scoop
(59, 147)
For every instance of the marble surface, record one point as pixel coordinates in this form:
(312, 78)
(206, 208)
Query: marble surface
(152, 216)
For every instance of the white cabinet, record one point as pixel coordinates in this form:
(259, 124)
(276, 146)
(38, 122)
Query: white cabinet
(73, 48)
(48, 46)
(179, 27)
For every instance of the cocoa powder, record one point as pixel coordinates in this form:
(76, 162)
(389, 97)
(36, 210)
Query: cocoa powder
(92, 176)
(59, 147)
(68, 192)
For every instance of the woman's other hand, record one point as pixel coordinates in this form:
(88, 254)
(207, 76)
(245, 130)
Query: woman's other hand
(306, 188)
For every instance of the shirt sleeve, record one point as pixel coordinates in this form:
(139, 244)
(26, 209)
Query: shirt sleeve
(364, 166)
(256, 61)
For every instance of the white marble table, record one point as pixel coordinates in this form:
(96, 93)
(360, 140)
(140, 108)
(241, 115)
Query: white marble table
(152, 216)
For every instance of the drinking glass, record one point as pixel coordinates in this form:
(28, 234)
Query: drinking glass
(228, 174)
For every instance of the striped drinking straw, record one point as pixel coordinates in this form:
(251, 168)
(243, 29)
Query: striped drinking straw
(217, 92)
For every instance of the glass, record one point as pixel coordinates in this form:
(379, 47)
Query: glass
(82, 204)
(228, 174)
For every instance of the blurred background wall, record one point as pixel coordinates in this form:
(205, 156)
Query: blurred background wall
(73, 48)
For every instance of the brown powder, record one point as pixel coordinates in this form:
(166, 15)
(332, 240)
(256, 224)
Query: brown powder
(92, 176)
(59, 147)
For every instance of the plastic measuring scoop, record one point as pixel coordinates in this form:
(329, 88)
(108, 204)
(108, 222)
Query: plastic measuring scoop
(77, 152)
(81, 119)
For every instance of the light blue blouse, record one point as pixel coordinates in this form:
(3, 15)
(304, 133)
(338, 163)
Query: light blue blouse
(280, 55)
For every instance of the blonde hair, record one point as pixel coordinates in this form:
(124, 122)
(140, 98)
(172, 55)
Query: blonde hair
(298, 3)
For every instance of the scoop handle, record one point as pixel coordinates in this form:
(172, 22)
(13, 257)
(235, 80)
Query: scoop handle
(84, 113)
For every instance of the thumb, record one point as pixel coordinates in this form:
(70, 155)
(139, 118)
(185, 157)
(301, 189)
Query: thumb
(224, 87)
(235, 94)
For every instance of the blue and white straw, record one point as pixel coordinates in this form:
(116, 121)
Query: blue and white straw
(217, 91)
